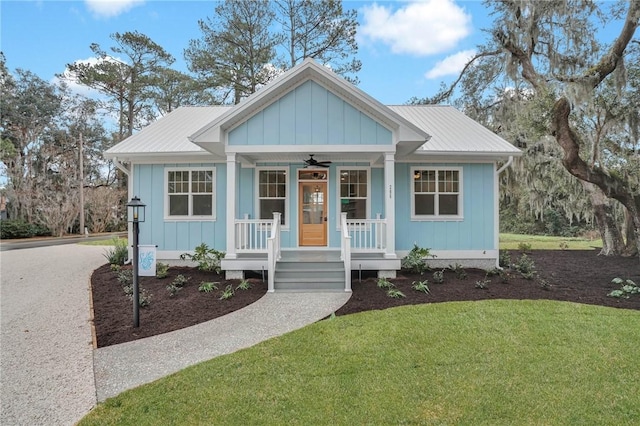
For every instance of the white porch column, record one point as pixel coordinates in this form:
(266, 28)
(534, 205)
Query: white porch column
(390, 203)
(231, 206)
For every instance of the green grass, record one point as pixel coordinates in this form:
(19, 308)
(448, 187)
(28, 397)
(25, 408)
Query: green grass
(481, 363)
(544, 242)
(105, 242)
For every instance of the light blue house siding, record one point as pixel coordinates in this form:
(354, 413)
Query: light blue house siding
(148, 184)
(310, 115)
(474, 232)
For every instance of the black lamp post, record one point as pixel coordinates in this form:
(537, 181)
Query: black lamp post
(135, 214)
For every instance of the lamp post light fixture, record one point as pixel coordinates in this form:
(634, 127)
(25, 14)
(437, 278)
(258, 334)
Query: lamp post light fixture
(135, 215)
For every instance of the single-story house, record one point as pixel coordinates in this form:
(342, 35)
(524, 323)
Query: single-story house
(310, 178)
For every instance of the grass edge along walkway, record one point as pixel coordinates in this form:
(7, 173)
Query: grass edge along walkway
(487, 362)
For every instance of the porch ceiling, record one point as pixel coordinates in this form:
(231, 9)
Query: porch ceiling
(299, 157)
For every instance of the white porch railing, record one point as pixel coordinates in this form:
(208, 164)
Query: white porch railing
(345, 251)
(368, 235)
(252, 235)
(273, 250)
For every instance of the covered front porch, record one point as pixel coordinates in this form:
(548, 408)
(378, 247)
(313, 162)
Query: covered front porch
(257, 247)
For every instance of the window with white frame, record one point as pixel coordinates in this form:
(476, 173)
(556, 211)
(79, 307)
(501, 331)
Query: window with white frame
(437, 193)
(190, 193)
(354, 192)
(272, 193)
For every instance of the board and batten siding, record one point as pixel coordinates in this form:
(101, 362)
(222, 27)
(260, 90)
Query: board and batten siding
(181, 235)
(310, 115)
(474, 232)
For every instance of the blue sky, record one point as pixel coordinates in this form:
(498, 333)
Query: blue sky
(406, 47)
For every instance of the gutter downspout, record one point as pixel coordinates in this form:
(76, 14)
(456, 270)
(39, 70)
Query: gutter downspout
(497, 206)
(127, 171)
(120, 165)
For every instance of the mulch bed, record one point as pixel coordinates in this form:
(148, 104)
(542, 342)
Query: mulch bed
(113, 309)
(572, 275)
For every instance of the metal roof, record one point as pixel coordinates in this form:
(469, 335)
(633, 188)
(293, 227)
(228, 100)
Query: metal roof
(169, 134)
(452, 132)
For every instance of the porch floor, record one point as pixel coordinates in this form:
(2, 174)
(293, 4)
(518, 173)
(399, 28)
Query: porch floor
(359, 261)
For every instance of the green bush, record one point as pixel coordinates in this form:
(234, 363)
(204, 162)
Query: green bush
(208, 258)
(117, 254)
(11, 229)
(414, 260)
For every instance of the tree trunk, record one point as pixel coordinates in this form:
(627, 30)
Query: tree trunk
(631, 246)
(611, 185)
(612, 243)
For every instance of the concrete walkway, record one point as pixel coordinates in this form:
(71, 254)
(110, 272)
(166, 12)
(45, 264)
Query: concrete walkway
(46, 365)
(125, 366)
(50, 374)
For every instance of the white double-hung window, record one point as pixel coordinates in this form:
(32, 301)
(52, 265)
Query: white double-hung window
(190, 193)
(436, 193)
(354, 192)
(272, 193)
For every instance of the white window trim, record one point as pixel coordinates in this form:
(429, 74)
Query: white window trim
(191, 218)
(287, 197)
(338, 197)
(437, 217)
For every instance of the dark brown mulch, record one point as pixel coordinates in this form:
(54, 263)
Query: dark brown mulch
(113, 310)
(576, 276)
(571, 275)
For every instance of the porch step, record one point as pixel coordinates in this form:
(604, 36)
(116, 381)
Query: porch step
(310, 271)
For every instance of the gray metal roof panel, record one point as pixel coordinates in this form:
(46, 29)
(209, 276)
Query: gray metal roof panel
(169, 133)
(452, 131)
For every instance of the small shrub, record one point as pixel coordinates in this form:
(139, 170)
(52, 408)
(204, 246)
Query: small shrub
(180, 280)
(526, 266)
(162, 270)
(173, 289)
(177, 284)
(484, 283)
(493, 272)
(524, 247)
(207, 287)
(227, 293)
(438, 277)
(461, 274)
(208, 258)
(115, 268)
(384, 283)
(144, 297)
(544, 284)
(628, 288)
(414, 260)
(395, 293)
(117, 254)
(244, 285)
(504, 259)
(124, 276)
(421, 286)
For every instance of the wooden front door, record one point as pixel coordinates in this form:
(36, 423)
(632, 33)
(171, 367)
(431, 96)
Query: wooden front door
(313, 213)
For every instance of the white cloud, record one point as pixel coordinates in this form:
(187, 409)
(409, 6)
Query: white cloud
(418, 28)
(110, 8)
(451, 65)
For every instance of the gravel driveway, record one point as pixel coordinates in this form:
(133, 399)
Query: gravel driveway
(46, 365)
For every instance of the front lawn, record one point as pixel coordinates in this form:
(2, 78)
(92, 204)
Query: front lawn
(487, 362)
(546, 242)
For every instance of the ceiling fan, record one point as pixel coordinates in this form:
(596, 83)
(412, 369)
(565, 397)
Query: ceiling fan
(313, 162)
